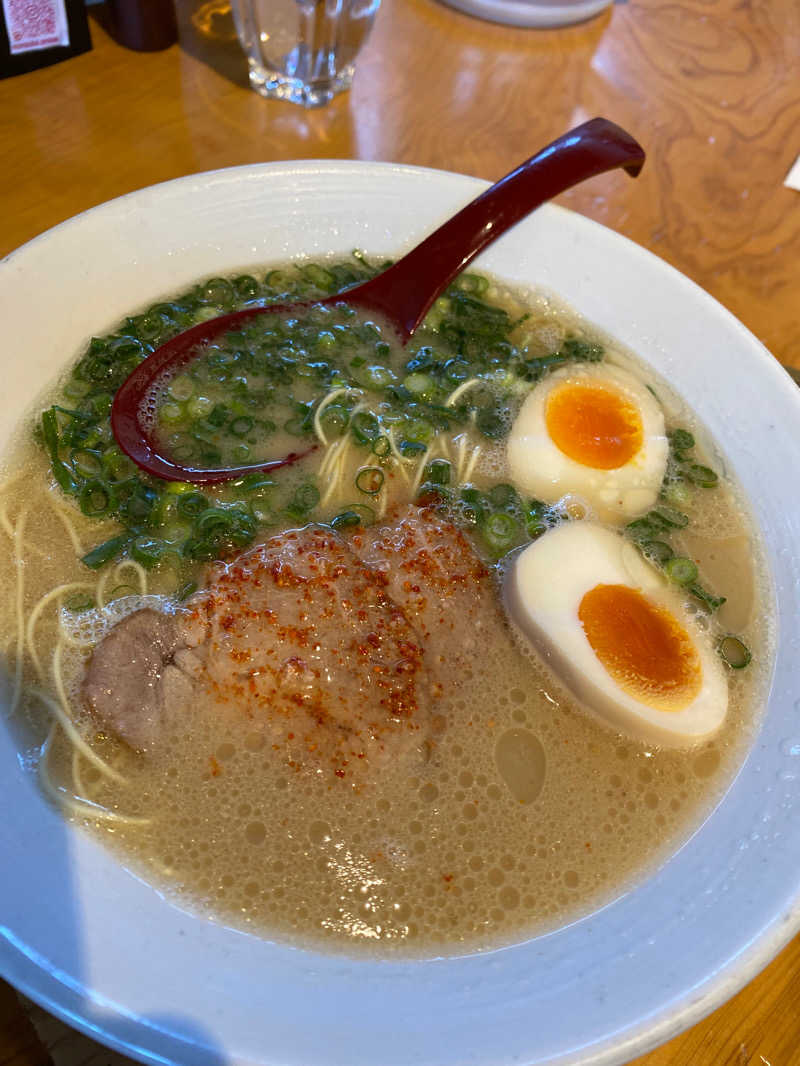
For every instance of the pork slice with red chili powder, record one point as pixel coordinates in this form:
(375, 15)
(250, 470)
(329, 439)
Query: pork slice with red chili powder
(300, 635)
(299, 638)
(429, 567)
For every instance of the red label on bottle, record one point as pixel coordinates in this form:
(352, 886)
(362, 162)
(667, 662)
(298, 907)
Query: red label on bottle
(35, 24)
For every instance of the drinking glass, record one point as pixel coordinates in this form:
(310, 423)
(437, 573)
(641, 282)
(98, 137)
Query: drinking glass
(302, 50)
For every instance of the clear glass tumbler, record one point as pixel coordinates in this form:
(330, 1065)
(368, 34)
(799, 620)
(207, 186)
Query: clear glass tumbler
(302, 50)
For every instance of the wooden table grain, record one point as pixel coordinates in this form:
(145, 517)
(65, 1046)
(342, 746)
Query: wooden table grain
(710, 87)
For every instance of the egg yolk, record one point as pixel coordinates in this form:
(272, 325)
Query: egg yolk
(594, 425)
(643, 647)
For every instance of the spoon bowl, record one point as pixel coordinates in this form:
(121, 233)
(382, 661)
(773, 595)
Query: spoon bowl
(402, 294)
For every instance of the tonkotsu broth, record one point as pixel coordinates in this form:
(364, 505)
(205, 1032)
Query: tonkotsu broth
(469, 846)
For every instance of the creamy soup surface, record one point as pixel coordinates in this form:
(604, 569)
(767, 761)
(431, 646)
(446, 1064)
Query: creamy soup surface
(498, 808)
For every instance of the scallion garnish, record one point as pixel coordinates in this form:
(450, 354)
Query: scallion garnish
(700, 475)
(680, 570)
(734, 652)
(369, 480)
(500, 531)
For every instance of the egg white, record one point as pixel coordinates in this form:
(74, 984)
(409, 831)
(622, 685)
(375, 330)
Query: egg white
(544, 586)
(539, 468)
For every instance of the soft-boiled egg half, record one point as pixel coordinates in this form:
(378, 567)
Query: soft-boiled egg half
(618, 635)
(593, 430)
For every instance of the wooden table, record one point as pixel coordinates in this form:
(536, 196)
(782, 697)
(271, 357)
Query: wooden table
(709, 86)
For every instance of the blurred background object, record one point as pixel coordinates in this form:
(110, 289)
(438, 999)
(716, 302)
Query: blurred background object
(144, 25)
(37, 33)
(532, 12)
(302, 51)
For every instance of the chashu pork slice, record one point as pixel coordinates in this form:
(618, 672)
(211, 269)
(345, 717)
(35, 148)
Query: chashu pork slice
(298, 637)
(131, 684)
(430, 569)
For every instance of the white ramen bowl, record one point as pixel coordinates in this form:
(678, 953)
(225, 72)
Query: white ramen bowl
(105, 951)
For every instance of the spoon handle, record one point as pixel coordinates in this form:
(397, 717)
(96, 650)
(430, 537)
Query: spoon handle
(406, 290)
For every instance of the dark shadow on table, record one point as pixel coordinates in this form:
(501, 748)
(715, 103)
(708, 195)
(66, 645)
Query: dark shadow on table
(207, 32)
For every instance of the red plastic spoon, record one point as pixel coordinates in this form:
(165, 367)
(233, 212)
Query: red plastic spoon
(403, 293)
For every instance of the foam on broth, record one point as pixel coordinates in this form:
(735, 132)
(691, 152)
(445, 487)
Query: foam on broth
(527, 814)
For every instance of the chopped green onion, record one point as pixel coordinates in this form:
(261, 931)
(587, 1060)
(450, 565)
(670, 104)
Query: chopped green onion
(676, 493)
(346, 520)
(419, 431)
(255, 482)
(369, 480)
(240, 427)
(680, 570)
(181, 388)
(419, 384)
(75, 389)
(199, 406)
(186, 590)
(365, 513)
(423, 359)
(335, 417)
(476, 284)
(378, 377)
(278, 280)
(87, 463)
(100, 404)
(381, 447)
(365, 427)
(305, 499)
(469, 494)
(411, 448)
(106, 551)
(673, 517)
(703, 476)
(116, 464)
(211, 522)
(456, 371)
(218, 416)
(217, 291)
(438, 472)
(711, 602)
(147, 551)
(298, 426)
(173, 532)
(171, 413)
(317, 275)
(503, 495)
(61, 472)
(736, 654)
(642, 529)
(500, 531)
(491, 423)
(246, 287)
(78, 602)
(681, 440)
(96, 499)
(534, 515)
(192, 504)
(657, 551)
(181, 449)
